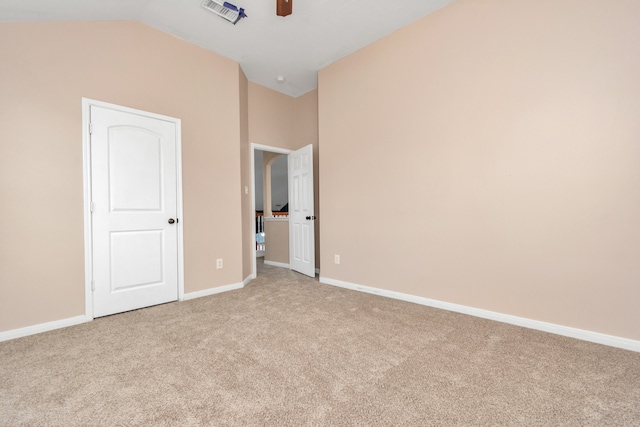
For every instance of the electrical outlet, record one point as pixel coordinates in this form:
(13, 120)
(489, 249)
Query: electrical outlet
(219, 264)
(336, 259)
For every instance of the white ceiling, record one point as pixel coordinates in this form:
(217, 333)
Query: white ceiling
(318, 32)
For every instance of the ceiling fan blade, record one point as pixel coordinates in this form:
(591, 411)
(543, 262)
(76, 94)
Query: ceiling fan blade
(284, 7)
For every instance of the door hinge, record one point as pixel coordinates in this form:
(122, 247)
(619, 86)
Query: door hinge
(90, 128)
(92, 207)
(93, 285)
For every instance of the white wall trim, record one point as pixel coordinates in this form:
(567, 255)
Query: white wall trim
(276, 264)
(276, 219)
(43, 327)
(86, 191)
(581, 334)
(212, 291)
(249, 278)
(63, 323)
(86, 172)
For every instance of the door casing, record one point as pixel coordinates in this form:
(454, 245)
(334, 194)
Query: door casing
(86, 172)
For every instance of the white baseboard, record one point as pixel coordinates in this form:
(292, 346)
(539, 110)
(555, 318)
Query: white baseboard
(248, 279)
(284, 265)
(63, 323)
(212, 291)
(43, 327)
(277, 264)
(566, 331)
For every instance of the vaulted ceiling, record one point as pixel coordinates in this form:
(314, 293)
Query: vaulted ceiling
(266, 46)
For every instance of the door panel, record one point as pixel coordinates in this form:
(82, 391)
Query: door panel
(134, 169)
(134, 194)
(301, 212)
(136, 259)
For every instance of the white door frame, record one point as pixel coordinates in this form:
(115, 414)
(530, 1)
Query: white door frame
(86, 176)
(253, 148)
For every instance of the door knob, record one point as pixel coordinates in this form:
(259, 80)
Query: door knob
(309, 218)
(171, 220)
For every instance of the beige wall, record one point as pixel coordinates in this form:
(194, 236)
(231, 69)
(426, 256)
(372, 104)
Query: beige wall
(45, 70)
(267, 184)
(306, 132)
(247, 220)
(487, 155)
(277, 240)
(271, 116)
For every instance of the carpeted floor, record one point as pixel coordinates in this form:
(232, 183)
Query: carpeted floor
(288, 351)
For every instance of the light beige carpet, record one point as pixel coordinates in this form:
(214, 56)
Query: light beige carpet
(288, 351)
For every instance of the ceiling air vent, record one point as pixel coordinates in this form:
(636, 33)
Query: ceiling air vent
(225, 10)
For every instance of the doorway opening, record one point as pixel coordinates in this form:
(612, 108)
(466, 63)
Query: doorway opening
(270, 205)
(271, 200)
(300, 221)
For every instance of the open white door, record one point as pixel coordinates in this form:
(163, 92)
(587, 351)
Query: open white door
(134, 194)
(302, 257)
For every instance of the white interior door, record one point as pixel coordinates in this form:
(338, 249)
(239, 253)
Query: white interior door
(302, 257)
(134, 210)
